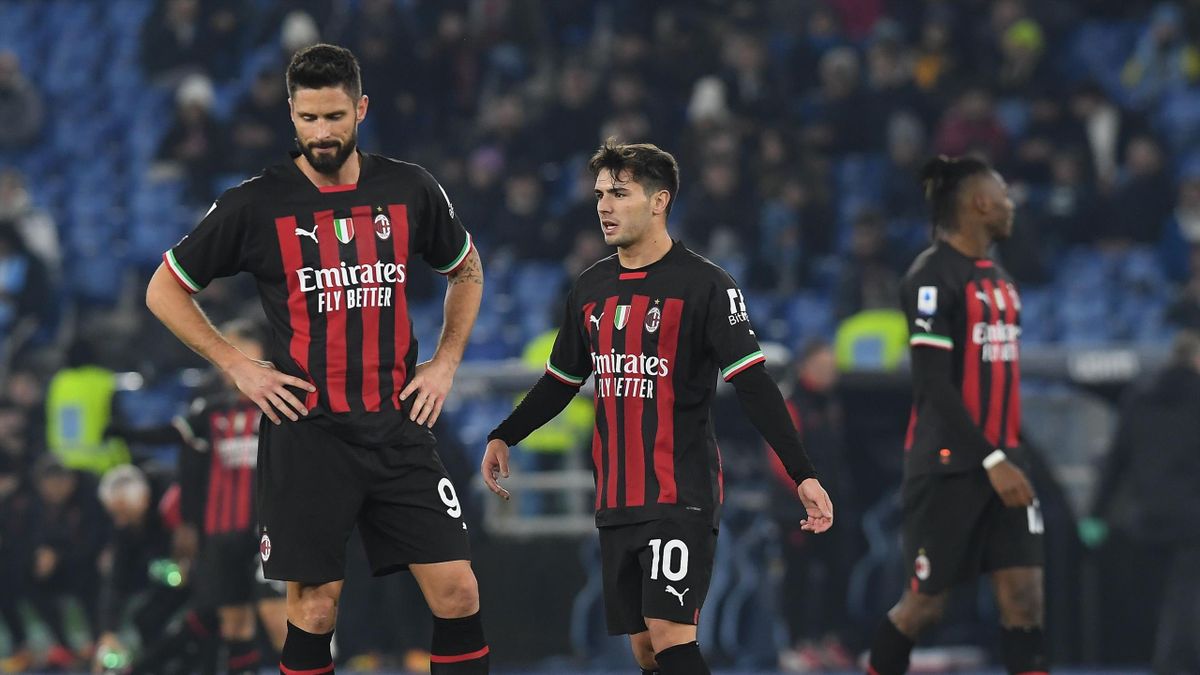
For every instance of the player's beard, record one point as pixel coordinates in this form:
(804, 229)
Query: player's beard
(1001, 230)
(329, 164)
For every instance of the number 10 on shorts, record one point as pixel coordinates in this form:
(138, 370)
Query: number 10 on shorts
(673, 558)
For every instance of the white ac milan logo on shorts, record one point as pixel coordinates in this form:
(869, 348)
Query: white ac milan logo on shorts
(383, 226)
(653, 319)
(921, 567)
(264, 547)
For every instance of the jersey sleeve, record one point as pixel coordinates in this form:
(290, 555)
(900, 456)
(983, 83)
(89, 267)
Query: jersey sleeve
(570, 360)
(214, 249)
(444, 242)
(727, 329)
(931, 307)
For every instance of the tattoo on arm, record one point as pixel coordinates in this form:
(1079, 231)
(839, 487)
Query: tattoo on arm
(470, 272)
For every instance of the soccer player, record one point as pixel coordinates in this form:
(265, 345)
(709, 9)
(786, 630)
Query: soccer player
(655, 323)
(329, 237)
(217, 475)
(968, 507)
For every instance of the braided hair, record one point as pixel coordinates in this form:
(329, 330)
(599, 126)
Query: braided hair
(942, 177)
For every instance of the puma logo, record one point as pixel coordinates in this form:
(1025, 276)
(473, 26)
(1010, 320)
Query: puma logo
(305, 233)
(672, 591)
(596, 320)
(926, 324)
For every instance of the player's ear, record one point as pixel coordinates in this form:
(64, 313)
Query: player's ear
(658, 205)
(362, 107)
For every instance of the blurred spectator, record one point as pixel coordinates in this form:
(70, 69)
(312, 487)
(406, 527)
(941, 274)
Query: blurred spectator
(452, 71)
(1163, 60)
(1048, 131)
(890, 74)
(1069, 208)
(173, 41)
(902, 198)
(1107, 129)
(297, 31)
(35, 226)
(139, 580)
(839, 118)
(17, 508)
(194, 142)
(935, 66)
(1142, 198)
(753, 89)
(25, 286)
(868, 280)
(1182, 231)
(261, 129)
(572, 121)
(815, 572)
(821, 33)
(69, 531)
(504, 126)
(484, 193)
(1148, 491)
(385, 44)
(1022, 67)
(521, 223)
(716, 204)
(786, 242)
(971, 126)
(1184, 310)
(20, 105)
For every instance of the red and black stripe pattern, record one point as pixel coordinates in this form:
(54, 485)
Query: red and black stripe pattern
(233, 449)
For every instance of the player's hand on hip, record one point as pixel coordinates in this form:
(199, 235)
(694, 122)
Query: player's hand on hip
(1011, 484)
(431, 384)
(818, 505)
(495, 466)
(264, 384)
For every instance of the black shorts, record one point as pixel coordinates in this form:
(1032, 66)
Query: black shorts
(658, 569)
(225, 570)
(314, 487)
(956, 528)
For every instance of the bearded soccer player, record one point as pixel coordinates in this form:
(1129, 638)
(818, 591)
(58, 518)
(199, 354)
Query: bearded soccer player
(968, 507)
(655, 324)
(329, 237)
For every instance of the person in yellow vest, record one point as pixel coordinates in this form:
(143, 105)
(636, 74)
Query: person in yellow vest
(79, 411)
(549, 446)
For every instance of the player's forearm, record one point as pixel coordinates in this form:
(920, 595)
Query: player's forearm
(764, 406)
(931, 380)
(545, 400)
(463, 296)
(182, 316)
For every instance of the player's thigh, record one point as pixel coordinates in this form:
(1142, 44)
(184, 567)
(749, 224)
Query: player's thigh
(412, 513)
(1015, 537)
(310, 490)
(943, 542)
(621, 573)
(666, 634)
(676, 560)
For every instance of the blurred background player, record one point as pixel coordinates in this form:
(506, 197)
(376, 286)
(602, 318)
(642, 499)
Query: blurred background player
(968, 507)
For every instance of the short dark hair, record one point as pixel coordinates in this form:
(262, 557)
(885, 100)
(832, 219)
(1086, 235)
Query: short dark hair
(653, 167)
(942, 177)
(323, 65)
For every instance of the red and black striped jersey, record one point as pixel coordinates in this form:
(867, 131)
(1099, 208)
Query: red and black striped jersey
(654, 340)
(217, 464)
(971, 309)
(331, 265)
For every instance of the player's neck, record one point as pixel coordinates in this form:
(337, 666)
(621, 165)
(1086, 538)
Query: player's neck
(971, 242)
(645, 252)
(347, 175)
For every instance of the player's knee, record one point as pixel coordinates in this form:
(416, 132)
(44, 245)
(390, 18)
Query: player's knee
(1022, 605)
(318, 613)
(643, 651)
(917, 612)
(456, 597)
